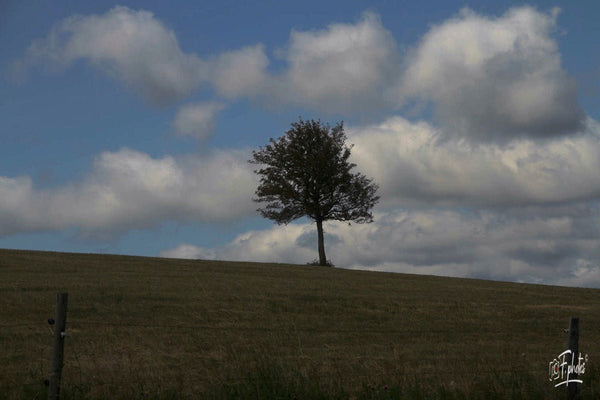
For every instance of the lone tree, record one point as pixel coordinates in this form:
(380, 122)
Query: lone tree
(306, 173)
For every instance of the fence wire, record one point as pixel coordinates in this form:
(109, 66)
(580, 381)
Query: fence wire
(77, 350)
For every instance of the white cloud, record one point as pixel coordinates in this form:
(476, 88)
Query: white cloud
(526, 211)
(489, 78)
(539, 248)
(495, 78)
(131, 46)
(19, 205)
(583, 274)
(189, 252)
(341, 68)
(415, 165)
(197, 119)
(525, 208)
(128, 190)
(240, 72)
(344, 67)
(274, 245)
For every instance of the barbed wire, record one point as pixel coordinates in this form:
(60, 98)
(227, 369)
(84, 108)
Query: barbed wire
(74, 324)
(258, 328)
(482, 371)
(290, 330)
(21, 324)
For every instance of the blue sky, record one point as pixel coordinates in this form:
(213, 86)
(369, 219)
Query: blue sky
(126, 128)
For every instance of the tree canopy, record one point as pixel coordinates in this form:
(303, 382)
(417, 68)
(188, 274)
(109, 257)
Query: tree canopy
(306, 172)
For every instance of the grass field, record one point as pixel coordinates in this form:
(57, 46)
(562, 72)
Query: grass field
(150, 328)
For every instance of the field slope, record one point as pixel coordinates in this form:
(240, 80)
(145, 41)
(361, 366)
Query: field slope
(162, 328)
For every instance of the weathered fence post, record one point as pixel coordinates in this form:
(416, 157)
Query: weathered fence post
(574, 347)
(60, 323)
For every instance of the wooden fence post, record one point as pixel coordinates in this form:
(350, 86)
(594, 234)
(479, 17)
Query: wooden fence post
(574, 347)
(60, 323)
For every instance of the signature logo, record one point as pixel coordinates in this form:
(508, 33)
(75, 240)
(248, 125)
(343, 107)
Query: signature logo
(561, 369)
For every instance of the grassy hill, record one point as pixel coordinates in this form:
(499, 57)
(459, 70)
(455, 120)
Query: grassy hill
(156, 328)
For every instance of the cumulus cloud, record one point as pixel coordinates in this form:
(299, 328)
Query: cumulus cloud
(240, 72)
(189, 252)
(490, 79)
(527, 211)
(274, 245)
(584, 274)
(128, 189)
(538, 248)
(131, 46)
(415, 165)
(19, 205)
(197, 119)
(341, 68)
(495, 78)
(345, 67)
(476, 195)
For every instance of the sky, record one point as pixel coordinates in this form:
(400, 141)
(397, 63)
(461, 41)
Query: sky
(126, 128)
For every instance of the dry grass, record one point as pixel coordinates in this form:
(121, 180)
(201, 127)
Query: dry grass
(158, 328)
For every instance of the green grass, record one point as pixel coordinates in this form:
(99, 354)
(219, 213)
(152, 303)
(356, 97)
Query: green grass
(150, 328)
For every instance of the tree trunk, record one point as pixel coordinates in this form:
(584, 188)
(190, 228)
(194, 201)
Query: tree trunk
(322, 257)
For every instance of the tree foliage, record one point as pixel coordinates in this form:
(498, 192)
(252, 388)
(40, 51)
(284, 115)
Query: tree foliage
(306, 172)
